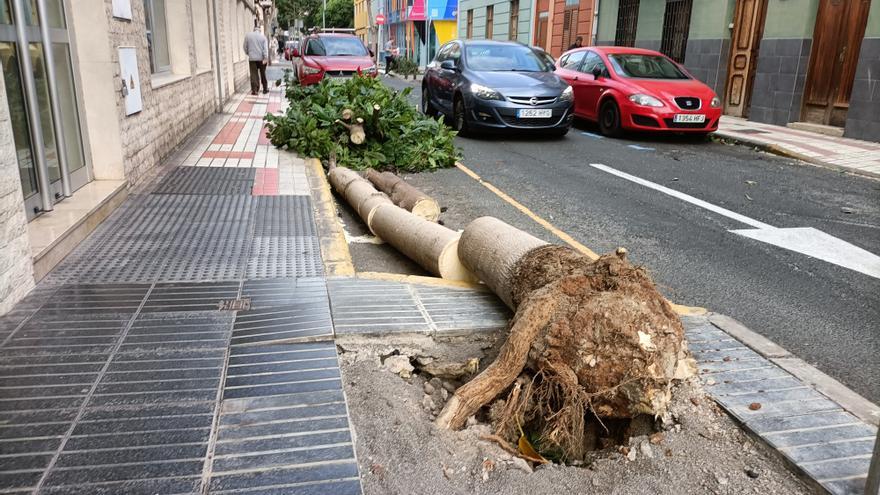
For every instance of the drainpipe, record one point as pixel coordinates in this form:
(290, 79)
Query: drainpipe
(220, 89)
(30, 90)
(49, 58)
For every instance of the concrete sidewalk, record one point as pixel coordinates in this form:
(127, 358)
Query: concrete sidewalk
(851, 155)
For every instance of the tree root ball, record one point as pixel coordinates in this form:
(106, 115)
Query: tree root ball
(590, 338)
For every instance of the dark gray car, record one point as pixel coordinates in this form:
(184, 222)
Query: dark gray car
(496, 85)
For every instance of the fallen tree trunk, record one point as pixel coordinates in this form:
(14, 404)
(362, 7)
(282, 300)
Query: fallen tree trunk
(593, 339)
(405, 195)
(358, 192)
(432, 246)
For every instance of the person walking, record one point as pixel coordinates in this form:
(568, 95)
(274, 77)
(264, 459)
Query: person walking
(389, 54)
(256, 46)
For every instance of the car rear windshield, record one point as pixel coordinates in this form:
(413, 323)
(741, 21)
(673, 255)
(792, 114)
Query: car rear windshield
(504, 58)
(335, 46)
(645, 66)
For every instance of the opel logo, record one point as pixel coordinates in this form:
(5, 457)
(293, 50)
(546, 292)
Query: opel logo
(533, 101)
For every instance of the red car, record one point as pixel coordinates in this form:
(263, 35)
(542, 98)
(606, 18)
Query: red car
(331, 55)
(625, 88)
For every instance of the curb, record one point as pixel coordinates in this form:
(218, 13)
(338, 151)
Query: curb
(782, 151)
(334, 248)
(849, 400)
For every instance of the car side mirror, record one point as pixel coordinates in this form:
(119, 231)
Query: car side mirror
(294, 53)
(448, 65)
(597, 72)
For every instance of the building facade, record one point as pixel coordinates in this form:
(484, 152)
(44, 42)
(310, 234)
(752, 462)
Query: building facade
(95, 93)
(418, 27)
(798, 62)
(498, 20)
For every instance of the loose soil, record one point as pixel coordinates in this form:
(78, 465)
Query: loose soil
(400, 451)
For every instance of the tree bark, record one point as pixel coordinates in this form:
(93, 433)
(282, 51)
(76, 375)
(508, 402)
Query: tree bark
(405, 195)
(432, 246)
(490, 248)
(358, 192)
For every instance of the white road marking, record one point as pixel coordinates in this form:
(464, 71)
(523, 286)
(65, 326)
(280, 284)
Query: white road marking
(640, 148)
(594, 136)
(684, 197)
(805, 240)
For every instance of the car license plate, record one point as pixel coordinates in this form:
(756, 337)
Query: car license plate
(696, 118)
(534, 113)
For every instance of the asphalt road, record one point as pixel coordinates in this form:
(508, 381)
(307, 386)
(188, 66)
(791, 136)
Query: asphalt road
(821, 312)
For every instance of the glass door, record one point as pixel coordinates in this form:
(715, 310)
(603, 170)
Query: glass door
(38, 72)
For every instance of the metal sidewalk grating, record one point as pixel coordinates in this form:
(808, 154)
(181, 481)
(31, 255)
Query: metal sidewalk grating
(810, 430)
(207, 180)
(290, 323)
(284, 424)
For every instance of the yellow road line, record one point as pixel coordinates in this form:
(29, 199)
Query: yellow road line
(529, 213)
(681, 310)
(334, 248)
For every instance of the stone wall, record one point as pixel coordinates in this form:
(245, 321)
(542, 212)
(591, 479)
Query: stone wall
(863, 117)
(779, 80)
(16, 264)
(170, 112)
(707, 61)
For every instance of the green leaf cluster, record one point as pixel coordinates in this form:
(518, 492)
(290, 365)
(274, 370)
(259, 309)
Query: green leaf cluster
(398, 136)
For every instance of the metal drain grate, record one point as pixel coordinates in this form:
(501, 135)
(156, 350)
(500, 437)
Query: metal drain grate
(207, 180)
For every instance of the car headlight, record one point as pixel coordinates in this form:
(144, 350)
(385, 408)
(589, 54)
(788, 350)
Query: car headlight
(567, 94)
(369, 70)
(485, 93)
(645, 100)
(309, 70)
(716, 102)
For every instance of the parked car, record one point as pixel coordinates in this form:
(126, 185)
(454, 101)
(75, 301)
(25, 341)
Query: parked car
(496, 85)
(625, 88)
(331, 55)
(289, 47)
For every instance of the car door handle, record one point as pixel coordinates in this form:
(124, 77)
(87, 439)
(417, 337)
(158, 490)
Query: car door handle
(575, 78)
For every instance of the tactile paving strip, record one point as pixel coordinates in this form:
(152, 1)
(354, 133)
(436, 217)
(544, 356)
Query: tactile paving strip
(291, 323)
(175, 237)
(284, 425)
(284, 291)
(205, 180)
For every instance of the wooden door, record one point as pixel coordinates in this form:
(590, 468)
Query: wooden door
(541, 31)
(748, 26)
(837, 38)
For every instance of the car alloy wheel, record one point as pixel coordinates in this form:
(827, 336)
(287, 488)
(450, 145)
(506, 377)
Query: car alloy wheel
(609, 119)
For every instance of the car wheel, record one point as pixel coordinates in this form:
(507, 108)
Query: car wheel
(609, 119)
(459, 117)
(427, 108)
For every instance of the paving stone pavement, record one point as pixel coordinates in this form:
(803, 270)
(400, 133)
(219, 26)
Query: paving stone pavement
(854, 155)
(186, 345)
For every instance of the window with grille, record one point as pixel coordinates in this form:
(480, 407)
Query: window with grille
(627, 21)
(470, 24)
(676, 24)
(569, 25)
(490, 20)
(513, 30)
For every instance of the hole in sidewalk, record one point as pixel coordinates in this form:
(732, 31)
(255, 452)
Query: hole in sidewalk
(242, 304)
